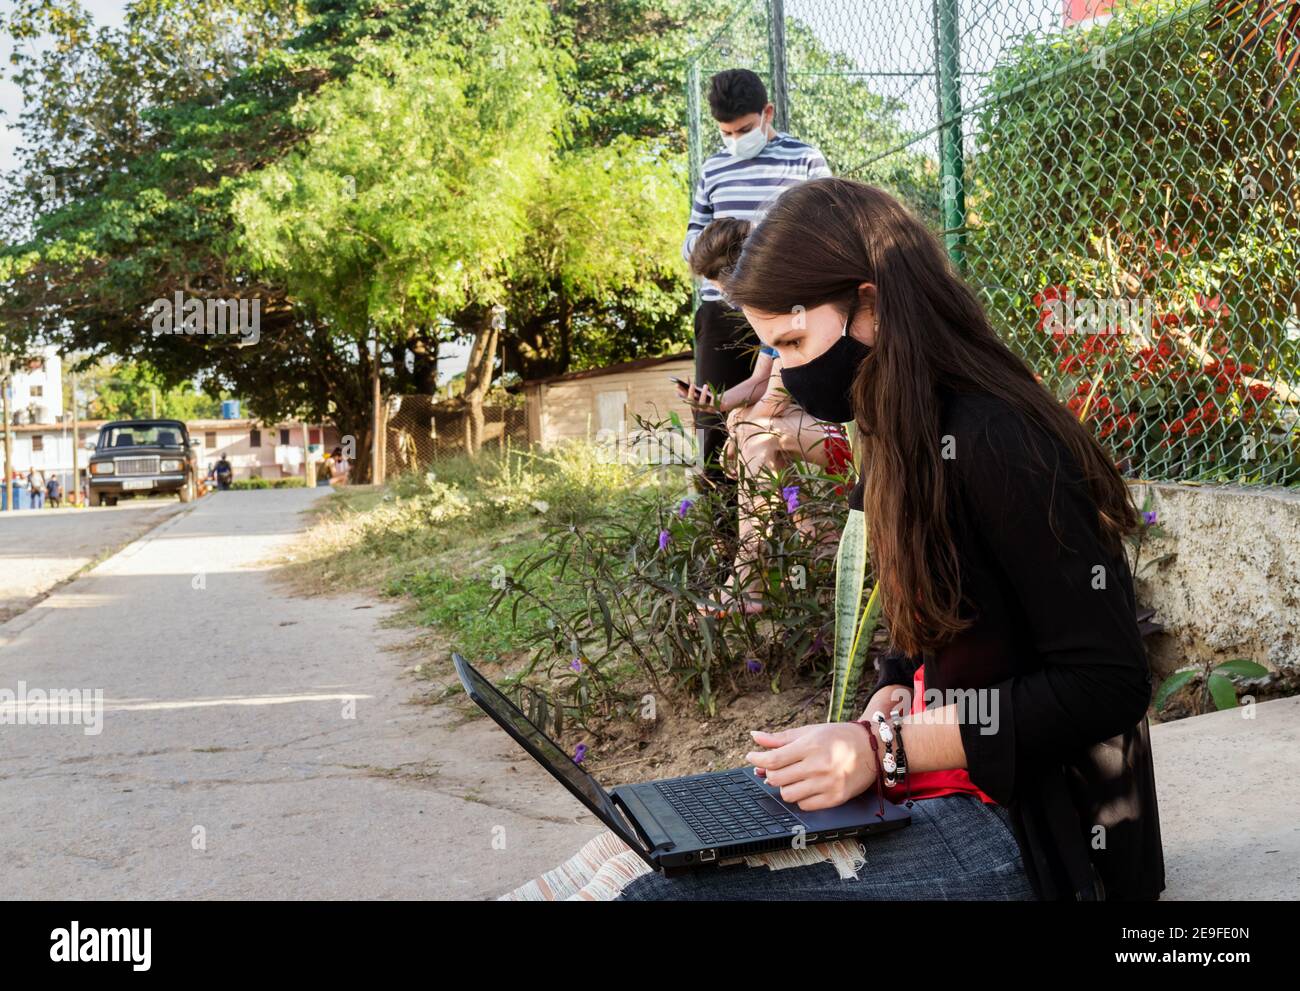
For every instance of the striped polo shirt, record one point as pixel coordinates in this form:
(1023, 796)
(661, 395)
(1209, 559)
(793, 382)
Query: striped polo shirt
(746, 188)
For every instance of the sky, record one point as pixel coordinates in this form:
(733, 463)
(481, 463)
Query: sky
(107, 13)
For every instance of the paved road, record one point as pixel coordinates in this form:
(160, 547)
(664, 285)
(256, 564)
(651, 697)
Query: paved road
(290, 764)
(41, 547)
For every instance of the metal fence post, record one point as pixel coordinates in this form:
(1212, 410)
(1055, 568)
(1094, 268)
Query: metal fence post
(693, 120)
(776, 61)
(952, 166)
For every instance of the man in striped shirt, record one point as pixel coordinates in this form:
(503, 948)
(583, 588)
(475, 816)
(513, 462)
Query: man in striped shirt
(759, 163)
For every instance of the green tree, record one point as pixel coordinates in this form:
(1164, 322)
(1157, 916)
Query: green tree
(119, 390)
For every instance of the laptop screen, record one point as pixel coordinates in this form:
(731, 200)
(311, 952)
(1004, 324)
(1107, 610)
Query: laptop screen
(545, 750)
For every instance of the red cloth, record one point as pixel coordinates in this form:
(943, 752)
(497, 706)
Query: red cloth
(839, 455)
(932, 784)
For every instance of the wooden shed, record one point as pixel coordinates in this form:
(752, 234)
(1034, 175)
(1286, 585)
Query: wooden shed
(605, 402)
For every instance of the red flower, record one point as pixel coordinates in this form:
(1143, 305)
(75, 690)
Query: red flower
(1051, 293)
(1260, 392)
(1214, 306)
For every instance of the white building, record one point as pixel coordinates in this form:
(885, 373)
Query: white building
(38, 388)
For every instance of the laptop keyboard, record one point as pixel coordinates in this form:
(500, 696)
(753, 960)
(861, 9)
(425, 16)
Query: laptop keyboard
(728, 808)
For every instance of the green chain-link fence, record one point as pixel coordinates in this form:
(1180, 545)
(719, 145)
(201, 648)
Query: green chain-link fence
(1118, 181)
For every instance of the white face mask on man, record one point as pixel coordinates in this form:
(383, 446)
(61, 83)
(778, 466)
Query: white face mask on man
(750, 143)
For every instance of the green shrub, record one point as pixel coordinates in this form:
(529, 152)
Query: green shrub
(1129, 162)
(629, 583)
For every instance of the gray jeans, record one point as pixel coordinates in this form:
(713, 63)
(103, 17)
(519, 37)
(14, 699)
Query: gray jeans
(957, 848)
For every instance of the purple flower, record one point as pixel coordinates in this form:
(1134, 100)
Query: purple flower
(684, 508)
(580, 753)
(576, 665)
(1150, 517)
(663, 540)
(791, 496)
(753, 666)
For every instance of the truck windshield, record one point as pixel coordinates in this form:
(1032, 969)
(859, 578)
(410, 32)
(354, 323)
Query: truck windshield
(142, 435)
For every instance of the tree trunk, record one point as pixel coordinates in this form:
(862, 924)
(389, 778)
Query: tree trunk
(478, 379)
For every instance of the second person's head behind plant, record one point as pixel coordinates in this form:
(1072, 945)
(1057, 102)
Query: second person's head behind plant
(834, 257)
(718, 247)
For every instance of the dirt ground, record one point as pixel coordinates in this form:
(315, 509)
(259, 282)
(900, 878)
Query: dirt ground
(680, 740)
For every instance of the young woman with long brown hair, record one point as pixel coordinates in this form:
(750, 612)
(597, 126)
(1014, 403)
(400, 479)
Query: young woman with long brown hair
(996, 527)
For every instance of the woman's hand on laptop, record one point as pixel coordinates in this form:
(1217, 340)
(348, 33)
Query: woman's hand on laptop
(818, 766)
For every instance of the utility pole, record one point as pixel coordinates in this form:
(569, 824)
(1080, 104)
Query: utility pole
(75, 495)
(377, 416)
(6, 377)
(153, 403)
(308, 465)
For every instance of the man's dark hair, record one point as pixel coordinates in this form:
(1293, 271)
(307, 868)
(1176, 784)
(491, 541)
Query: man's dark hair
(735, 93)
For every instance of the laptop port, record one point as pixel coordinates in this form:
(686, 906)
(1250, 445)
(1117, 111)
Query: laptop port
(707, 855)
(830, 836)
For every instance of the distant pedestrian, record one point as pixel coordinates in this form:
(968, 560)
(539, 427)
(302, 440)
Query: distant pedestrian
(54, 491)
(35, 489)
(224, 473)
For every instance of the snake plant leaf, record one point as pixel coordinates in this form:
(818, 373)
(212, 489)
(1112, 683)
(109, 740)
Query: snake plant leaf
(850, 575)
(861, 641)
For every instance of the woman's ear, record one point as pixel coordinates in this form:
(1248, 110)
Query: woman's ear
(864, 323)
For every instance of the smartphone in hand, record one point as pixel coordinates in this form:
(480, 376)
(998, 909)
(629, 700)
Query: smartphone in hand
(696, 395)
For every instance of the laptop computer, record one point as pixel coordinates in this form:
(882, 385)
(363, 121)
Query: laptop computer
(682, 824)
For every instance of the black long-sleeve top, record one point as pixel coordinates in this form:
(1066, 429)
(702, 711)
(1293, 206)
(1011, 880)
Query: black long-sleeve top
(1054, 633)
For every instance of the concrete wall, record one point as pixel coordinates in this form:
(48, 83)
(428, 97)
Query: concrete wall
(1232, 588)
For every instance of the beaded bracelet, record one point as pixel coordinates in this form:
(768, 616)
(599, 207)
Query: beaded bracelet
(889, 762)
(902, 754)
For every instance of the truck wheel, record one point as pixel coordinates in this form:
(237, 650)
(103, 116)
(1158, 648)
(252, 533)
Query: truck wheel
(187, 491)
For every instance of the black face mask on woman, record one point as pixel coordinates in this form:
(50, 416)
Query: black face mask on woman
(821, 386)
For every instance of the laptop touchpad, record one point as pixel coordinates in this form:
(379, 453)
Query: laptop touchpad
(773, 806)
